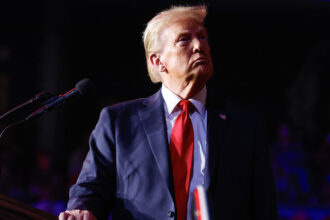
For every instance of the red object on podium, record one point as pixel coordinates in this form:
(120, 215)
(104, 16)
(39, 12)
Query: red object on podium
(200, 206)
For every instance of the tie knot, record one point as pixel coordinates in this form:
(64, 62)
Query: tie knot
(186, 105)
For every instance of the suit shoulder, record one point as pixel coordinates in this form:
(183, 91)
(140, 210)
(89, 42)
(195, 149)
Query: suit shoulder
(129, 107)
(242, 114)
(237, 109)
(125, 105)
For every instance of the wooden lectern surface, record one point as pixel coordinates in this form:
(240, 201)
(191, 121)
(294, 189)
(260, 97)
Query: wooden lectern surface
(11, 209)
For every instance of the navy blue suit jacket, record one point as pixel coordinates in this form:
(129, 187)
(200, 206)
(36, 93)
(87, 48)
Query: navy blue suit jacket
(128, 172)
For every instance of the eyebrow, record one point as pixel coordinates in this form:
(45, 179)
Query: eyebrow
(186, 32)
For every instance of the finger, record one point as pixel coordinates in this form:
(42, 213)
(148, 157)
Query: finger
(71, 217)
(62, 216)
(88, 216)
(79, 215)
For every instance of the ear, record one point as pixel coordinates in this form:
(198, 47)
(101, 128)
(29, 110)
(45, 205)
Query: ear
(155, 61)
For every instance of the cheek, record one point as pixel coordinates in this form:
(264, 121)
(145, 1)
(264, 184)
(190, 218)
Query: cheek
(183, 58)
(181, 64)
(176, 61)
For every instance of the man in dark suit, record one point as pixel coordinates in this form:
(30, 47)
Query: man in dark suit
(134, 167)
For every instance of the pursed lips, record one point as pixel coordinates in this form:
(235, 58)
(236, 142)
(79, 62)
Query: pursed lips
(199, 61)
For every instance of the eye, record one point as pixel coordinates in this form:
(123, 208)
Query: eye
(202, 37)
(183, 39)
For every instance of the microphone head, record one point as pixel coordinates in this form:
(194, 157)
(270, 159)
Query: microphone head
(85, 87)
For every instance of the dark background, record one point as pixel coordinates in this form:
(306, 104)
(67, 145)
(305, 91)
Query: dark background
(269, 56)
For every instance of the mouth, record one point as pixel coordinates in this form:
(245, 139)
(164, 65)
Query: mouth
(199, 61)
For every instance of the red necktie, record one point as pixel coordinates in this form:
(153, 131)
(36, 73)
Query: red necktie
(181, 149)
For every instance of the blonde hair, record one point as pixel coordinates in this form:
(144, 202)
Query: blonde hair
(155, 26)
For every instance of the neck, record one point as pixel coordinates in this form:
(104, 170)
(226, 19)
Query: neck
(185, 91)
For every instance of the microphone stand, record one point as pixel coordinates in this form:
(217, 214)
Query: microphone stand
(82, 88)
(37, 99)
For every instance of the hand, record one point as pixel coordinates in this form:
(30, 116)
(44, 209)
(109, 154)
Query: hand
(77, 214)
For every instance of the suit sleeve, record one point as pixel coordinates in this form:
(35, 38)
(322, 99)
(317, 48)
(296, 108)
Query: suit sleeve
(96, 185)
(263, 187)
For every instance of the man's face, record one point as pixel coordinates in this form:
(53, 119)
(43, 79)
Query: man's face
(186, 52)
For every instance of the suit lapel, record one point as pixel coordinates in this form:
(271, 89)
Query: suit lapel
(217, 121)
(153, 120)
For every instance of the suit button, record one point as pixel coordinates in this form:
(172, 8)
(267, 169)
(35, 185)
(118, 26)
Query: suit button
(170, 214)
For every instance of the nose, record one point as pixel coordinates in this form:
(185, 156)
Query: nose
(197, 45)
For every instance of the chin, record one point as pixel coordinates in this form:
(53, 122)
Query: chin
(204, 72)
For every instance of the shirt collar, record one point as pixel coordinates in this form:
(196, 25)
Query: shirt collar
(171, 100)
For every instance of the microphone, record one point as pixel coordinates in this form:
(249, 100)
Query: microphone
(38, 98)
(82, 88)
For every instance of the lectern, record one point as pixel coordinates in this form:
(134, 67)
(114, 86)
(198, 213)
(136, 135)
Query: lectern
(11, 209)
